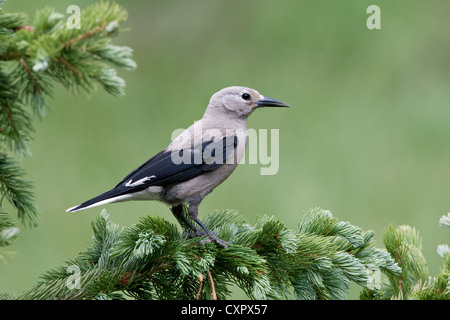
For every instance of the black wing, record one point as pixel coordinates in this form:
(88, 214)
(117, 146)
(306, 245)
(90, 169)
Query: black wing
(162, 170)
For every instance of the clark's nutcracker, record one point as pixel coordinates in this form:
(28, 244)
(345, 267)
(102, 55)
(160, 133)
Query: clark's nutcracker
(196, 162)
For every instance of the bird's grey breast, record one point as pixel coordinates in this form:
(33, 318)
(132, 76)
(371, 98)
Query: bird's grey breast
(234, 139)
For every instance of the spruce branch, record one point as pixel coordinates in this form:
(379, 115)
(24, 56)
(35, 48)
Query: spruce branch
(15, 123)
(33, 57)
(8, 115)
(8, 232)
(211, 283)
(88, 34)
(17, 190)
(69, 66)
(414, 282)
(32, 78)
(153, 260)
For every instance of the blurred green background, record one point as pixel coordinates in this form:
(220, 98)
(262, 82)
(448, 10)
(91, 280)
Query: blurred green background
(367, 136)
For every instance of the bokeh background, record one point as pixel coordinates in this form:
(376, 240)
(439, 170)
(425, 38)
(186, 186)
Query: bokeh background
(367, 136)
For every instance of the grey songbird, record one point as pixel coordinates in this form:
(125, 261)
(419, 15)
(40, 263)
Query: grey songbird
(197, 161)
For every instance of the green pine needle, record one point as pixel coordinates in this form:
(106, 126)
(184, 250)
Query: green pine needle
(152, 260)
(35, 57)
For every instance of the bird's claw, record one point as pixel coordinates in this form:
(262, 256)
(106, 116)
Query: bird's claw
(221, 242)
(196, 233)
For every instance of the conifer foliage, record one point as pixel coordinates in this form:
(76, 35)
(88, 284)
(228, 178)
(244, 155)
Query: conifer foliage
(414, 282)
(153, 260)
(33, 57)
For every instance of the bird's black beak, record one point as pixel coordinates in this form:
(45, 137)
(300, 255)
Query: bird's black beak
(269, 102)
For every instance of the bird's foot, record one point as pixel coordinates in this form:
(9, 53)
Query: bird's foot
(217, 240)
(196, 233)
(210, 235)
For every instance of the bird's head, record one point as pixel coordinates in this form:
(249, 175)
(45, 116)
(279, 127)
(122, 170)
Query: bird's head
(240, 102)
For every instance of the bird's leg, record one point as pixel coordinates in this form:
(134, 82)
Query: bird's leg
(193, 213)
(177, 211)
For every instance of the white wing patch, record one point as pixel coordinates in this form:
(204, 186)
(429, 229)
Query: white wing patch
(139, 182)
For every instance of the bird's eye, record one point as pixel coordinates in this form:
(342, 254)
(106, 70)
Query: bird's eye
(245, 96)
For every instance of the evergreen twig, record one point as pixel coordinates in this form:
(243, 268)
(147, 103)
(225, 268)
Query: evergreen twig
(152, 260)
(414, 282)
(32, 57)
